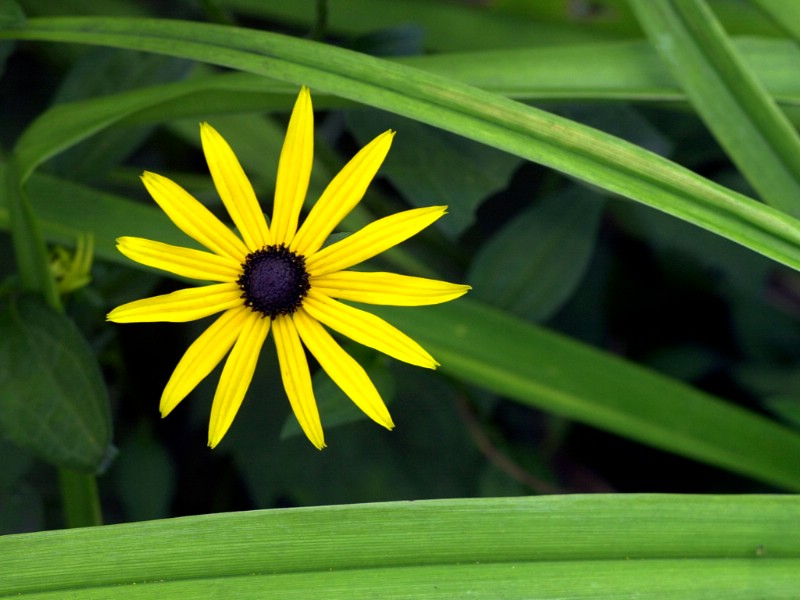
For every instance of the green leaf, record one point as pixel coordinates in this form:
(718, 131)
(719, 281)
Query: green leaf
(532, 266)
(582, 546)
(482, 346)
(52, 397)
(582, 152)
(728, 96)
(29, 248)
(628, 70)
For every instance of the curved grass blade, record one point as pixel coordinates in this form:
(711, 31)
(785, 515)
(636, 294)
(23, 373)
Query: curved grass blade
(579, 151)
(598, 547)
(728, 96)
(544, 369)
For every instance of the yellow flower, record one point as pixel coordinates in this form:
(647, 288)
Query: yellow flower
(279, 276)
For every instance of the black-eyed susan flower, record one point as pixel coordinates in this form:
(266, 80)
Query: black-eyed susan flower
(278, 276)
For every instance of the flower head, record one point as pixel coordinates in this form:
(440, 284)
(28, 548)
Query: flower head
(279, 277)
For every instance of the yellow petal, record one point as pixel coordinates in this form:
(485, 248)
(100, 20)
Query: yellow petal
(386, 288)
(181, 261)
(297, 379)
(202, 356)
(372, 240)
(236, 376)
(234, 189)
(294, 170)
(194, 219)
(184, 305)
(342, 368)
(365, 328)
(341, 195)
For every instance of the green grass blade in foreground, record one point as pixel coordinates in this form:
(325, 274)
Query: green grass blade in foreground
(599, 546)
(728, 96)
(579, 151)
(488, 348)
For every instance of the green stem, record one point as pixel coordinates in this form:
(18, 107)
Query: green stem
(80, 498)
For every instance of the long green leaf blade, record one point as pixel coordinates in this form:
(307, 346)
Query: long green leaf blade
(483, 346)
(730, 98)
(599, 546)
(580, 151)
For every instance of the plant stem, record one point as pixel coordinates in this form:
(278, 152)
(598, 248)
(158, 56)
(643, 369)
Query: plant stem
(80, 499)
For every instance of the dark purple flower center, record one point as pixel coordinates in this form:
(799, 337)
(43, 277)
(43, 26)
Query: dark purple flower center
(274, 281)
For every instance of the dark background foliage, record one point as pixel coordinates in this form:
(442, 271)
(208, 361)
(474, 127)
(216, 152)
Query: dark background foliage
(615, 275)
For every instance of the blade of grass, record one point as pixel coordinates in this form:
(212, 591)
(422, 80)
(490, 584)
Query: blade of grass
(544, 369)
(628, 70)
(728, 96)
(580, 151)
(599, 546)
(29, 249)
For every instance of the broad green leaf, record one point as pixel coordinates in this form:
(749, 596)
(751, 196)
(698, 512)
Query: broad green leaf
(728, 96)
(579, 151)
(52, 397)
(430, 166)
(582, 546)
(480, 345)
(531, 266)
